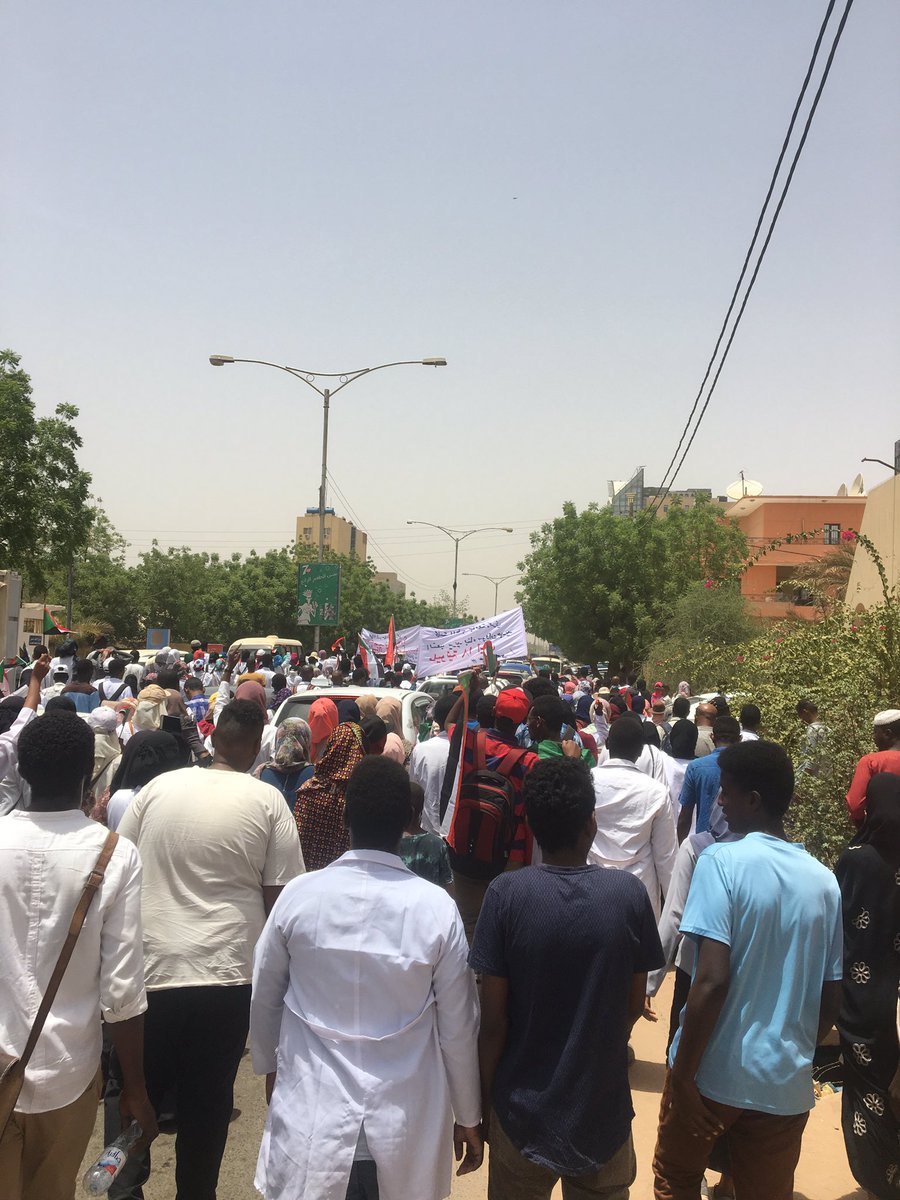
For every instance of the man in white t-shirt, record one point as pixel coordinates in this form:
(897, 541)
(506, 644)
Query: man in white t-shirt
(751, 719)
(217, 846)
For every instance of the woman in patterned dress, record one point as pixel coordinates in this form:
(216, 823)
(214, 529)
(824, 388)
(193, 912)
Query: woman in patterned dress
(869, 876)
(319, 810)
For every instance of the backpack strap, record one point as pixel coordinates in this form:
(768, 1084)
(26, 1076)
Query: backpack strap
(479, 757)
(509, 761)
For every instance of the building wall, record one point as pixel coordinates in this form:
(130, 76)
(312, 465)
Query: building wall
(767, 518)
(397, 586)
(341, 537)
(881, 525)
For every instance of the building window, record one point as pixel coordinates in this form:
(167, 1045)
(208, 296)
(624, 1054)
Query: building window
(32, 625)
(832, 535)
(307, 532)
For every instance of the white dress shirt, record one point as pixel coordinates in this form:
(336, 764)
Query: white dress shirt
(635, 826)
(363, 999)
(45, 860)
(427, 765)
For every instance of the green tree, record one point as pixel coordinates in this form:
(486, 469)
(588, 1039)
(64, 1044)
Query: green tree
(700, 633)
(603, 585)
(45, 513)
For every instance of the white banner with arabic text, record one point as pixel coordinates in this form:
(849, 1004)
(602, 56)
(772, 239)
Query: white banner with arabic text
(406, 641)
(442, 650)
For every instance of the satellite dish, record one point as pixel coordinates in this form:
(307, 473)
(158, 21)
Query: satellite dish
(842, 490)
(743, 487)
(857, 487)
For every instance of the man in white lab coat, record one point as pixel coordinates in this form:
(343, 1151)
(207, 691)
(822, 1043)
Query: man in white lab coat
(364, 1019)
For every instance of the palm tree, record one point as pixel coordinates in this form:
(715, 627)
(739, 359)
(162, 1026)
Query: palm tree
(826, 578)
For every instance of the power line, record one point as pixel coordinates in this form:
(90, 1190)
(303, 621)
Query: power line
(667, 481)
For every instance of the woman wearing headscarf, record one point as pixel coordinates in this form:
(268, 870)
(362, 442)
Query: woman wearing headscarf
(148, 754)
(366, 703)
(289, 766)
(319, 811)
(684, 689)
(391, 712)
(323, 721)
(348, 712)
(869, 873)
(151, 707)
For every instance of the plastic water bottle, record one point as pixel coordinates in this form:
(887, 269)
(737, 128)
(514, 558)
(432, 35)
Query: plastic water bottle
(99, 1178)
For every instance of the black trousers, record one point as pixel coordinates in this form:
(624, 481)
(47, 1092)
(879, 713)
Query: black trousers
(363, 1183)
(193, 1041)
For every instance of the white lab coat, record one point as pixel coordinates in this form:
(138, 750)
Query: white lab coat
(363, 997)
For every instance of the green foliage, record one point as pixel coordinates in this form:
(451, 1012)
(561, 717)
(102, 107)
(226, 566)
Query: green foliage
(603, 586)
(44, 495)
(849, 665)
(204, 595)
(700, 635)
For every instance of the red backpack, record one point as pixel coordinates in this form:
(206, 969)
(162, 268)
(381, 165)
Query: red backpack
(484, 822)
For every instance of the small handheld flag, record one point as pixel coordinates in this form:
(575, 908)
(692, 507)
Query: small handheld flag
(389, 656)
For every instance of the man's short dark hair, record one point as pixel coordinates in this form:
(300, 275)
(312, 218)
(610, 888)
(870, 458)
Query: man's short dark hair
(484, 711)
(443, 707)
(56, 754)
(279, 681)
(806, 706)
(82, 670)
(115, 667)
(168, 679)
(761, 767)
(378, 805)
(626, 737)
(360, 676)
(720, 704)
(193, 684)
(544, 673)
(726, 729)
(241, 720)
(552, 712)
(266, 660)
(681, 707)
(750, 717)
(559, 799)
(539, 685)
(60, 704)
(650, 733)
(683, 739)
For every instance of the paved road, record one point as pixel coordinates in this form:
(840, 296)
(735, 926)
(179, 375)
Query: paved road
(823, 1173)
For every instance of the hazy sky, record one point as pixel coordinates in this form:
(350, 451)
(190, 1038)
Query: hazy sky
(555, 196)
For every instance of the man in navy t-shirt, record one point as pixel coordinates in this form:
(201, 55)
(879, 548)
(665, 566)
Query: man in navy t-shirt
(563, 949)
(766, 918)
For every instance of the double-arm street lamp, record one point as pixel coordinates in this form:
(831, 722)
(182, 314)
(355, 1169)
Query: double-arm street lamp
(460, 535)
(491, 579)
(309, 378)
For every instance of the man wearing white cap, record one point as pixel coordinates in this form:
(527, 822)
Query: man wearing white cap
(886, 736)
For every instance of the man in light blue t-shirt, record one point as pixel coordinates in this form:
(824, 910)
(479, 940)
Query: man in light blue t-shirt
(766, 918)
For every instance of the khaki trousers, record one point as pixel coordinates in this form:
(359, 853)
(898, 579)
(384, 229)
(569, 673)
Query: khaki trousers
(40, 1153)
(764, 1148)
(512, 1176)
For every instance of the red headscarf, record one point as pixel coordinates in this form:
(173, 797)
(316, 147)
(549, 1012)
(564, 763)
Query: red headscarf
(323, 720)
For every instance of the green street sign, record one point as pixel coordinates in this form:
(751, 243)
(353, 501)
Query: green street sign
(318, 593)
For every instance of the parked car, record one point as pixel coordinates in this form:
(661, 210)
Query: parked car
(437, 685)
(414, 705)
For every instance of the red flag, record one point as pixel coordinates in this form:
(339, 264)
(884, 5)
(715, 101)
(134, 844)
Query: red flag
(389, 657)
(336, 645)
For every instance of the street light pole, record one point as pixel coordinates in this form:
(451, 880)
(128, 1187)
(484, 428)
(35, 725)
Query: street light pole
(492, 579)
(309, 377)
(460, 535)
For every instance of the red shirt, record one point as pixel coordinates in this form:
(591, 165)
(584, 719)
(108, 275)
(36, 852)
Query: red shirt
(868, 766)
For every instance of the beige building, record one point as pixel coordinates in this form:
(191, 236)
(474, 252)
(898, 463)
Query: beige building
(397, 586)
(341, 537)
(881, 524)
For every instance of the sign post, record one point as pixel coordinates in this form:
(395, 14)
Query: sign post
(318, 593)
